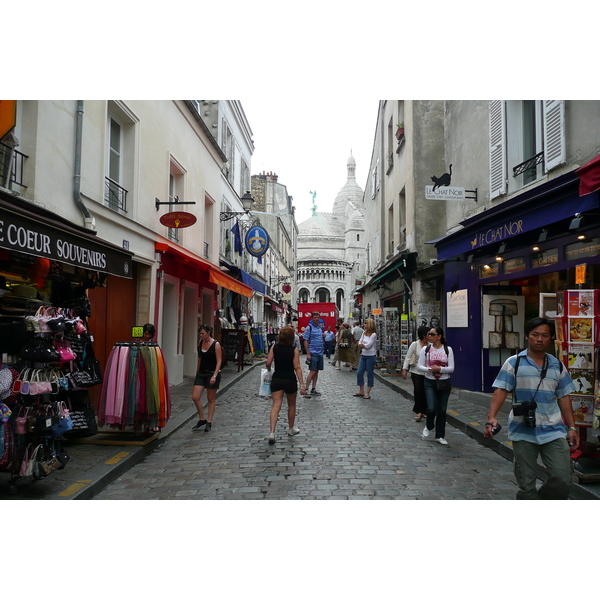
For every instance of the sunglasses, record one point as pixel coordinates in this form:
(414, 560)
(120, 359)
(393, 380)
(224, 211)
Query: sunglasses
(433, 334)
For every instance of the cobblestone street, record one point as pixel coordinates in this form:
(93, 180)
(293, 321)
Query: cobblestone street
(348, 448)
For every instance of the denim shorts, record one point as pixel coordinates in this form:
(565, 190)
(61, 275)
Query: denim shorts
(316, 362)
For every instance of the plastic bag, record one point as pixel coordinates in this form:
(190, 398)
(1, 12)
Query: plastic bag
(265, 383)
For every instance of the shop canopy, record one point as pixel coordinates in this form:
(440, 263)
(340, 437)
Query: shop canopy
(215, 274)
(30, 229)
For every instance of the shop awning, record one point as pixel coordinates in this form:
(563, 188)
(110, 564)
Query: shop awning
(27, 228)
(215, 275)
(253, 283)
(274, 306)
(403, 267)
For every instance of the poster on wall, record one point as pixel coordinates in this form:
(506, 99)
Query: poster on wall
(503, 322)
(428, 314)
(583, 409)
(457, 308)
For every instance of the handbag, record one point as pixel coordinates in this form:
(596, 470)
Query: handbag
(264, 390)
(84, 422)
(79, 380)
(64, 350)
(32, 462)
(413, 360)
(64, 423)
(25, 461)
(91, 365)
(443, 385)
(22, 422)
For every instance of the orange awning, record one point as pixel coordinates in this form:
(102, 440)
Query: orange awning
(215, 275)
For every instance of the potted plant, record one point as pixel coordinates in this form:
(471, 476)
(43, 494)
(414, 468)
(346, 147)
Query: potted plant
(400, 131)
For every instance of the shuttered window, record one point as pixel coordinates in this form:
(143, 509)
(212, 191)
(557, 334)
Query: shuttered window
(554, 133)
(497, 148)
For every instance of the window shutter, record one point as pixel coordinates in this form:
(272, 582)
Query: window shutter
(497, 148)
(554, 133)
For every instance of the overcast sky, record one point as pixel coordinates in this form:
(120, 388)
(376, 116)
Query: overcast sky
(307, 143)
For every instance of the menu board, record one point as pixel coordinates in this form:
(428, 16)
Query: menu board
(232, 344)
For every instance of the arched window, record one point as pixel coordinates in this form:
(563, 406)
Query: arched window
(339, 299)
(322, 295)
(303, 296)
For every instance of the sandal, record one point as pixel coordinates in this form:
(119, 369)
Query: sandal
(366, 397)
(361, 395)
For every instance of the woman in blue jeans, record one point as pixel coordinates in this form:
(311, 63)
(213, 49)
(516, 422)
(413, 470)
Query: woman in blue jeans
(367, 346)
(436, 361)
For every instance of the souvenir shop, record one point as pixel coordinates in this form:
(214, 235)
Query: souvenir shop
(537, 254)
(48, 269)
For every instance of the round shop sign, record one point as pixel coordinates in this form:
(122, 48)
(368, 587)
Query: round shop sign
(178, 220)
(257, 241)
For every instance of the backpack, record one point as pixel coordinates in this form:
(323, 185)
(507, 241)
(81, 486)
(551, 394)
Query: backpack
(429, 346)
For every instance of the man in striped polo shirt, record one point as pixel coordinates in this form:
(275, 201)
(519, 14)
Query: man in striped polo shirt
(544, 424)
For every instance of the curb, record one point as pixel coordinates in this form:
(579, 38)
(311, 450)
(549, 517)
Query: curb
(95, 479)
(499, 444)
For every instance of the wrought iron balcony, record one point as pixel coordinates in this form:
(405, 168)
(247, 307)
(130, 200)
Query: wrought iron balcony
(115, 196)
(16, 160)
(528, 165)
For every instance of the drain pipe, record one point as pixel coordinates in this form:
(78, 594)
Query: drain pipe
(89, 221)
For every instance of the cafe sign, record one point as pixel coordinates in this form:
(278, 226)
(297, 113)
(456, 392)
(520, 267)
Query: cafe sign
(178, 220)
(444, 193)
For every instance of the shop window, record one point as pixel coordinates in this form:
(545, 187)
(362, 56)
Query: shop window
(544, 258)
(176, 194)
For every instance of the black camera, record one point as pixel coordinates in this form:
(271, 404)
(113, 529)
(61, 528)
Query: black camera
(527, 410)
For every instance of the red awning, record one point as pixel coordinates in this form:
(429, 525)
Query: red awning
(589, 176)
(215, 274)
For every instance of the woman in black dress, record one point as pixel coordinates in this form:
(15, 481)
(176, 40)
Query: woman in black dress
(208, 375)
(287, 366)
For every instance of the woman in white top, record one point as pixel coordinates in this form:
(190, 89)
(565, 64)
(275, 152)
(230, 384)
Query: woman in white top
(367, 344)
(418, 378)
(437, 362)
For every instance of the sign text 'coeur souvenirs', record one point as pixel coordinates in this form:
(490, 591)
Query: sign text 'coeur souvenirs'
(257, 241)
(178, 220)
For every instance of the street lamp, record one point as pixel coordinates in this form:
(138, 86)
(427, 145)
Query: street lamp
(247, 203)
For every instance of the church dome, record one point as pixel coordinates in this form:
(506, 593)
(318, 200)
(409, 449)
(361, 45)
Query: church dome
(350, 192)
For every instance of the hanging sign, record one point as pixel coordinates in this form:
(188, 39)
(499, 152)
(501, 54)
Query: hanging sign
(178, 220)
(257, 241)
(580, 273)
(444, 193)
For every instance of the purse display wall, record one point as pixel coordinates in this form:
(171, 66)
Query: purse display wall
(43, 390)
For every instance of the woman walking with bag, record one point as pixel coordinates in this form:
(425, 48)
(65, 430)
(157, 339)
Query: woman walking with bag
(418, 378)
(210, 358)
(367, 345)
(345, 354)
(287, 367)
(436, 361)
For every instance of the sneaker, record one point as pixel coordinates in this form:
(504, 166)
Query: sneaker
(271, 438)
(293, 431)
(442, 441)
(425, 433)
(208, 427)
(315, 393)
(201, 423)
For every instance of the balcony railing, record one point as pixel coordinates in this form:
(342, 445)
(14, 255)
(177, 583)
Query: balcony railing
(528, 165)
(115, 196)
(16, 160)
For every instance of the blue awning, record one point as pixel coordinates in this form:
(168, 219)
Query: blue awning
(256, 285)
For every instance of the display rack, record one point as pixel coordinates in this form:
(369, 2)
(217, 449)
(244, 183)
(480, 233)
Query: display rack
(578, 346)
(387, 322)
